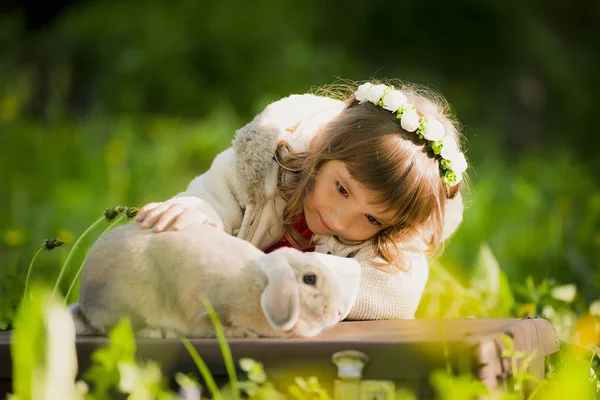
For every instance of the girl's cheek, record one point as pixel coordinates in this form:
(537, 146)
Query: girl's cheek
(332, 197)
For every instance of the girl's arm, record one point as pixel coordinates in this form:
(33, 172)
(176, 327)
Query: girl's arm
(215, 198)
(390, 293)
(220, 190)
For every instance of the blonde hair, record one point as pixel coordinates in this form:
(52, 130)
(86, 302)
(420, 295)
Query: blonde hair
(389, 161)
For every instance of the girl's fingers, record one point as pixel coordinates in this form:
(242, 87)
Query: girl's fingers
(168, 217)
(155, 214)
(191, 216)
(211, 223)
(184, 219)
(145, 210)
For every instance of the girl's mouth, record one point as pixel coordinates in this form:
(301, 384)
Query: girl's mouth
(324, 224)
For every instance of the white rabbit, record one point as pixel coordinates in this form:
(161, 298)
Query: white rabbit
(159, 279)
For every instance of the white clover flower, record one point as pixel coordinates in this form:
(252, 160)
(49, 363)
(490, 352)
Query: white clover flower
(449, 148)
(393, 100)
(375, 92)
(434, 130)
(56, 378)
(595, 308)
(410, 120)
(564, 293)
(548, 311)
(362, 92)
(458, 163)
(129, 376)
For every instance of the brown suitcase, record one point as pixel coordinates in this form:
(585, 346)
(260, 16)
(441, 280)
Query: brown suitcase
(402, 352)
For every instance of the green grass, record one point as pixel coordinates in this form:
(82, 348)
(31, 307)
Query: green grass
(528, 245)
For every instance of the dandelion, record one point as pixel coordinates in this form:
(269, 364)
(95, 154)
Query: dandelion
(109, 215)
(51, 244)
(114, 215)
(48, 244)
(131, 212)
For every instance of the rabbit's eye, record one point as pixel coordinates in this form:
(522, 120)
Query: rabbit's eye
(310, 279)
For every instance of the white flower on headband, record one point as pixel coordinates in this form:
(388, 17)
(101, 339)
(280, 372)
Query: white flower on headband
(452, 178)
(393, 100)
(362, 93)
(434, 130)
(458, 163)
(410, 120)
(451, 160)
(375, 92)
(449, 148)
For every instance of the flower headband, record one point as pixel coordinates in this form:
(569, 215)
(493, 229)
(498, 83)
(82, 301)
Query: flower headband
(452, 162)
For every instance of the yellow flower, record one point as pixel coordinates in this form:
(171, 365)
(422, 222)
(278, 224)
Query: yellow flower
(115, 152)
(9, 108)
(587, 330)
(526, 310)
(597, 239)
(66, 236)
(14, 237)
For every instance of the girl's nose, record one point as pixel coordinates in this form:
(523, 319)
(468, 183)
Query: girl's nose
(340, 221)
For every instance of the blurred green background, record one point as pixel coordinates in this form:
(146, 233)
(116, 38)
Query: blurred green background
(105, 103)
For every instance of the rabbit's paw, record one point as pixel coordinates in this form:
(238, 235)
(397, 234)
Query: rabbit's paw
(157, 333)
(149, 333)
(240, 333)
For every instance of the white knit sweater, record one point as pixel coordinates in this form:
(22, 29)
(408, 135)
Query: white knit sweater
(241, 188)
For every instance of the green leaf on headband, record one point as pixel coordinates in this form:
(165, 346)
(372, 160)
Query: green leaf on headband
(437, 147)
(422, 127)
(399, 112)
(449, 177)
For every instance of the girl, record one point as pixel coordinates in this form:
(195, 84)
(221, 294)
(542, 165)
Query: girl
(374, 178)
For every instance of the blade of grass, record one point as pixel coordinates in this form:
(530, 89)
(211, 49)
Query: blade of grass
(445, 349)
(117, 220)
(73, 250)
(204, 371)
(29, 271)
(537, 389)
(225, 350)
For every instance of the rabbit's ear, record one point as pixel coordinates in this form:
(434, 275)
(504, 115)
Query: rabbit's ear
(280, 300)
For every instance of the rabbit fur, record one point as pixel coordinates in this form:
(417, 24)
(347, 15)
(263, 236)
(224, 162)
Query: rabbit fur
(158, 281)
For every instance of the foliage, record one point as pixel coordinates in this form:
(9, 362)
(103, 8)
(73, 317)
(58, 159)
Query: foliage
(43, 351)
(490, 269)
(124, 103)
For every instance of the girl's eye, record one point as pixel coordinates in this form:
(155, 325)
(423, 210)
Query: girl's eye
(341, 189)
(373, 221)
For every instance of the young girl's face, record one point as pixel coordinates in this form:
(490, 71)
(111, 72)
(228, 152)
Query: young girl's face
(339, 205)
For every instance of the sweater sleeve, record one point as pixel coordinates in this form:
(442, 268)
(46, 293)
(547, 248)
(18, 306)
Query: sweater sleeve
(221, 191)
(389, 292)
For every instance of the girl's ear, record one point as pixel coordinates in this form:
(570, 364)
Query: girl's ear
(280, 299)
(453, 216)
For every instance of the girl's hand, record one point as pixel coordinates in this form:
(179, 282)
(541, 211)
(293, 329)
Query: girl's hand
(179, 212)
